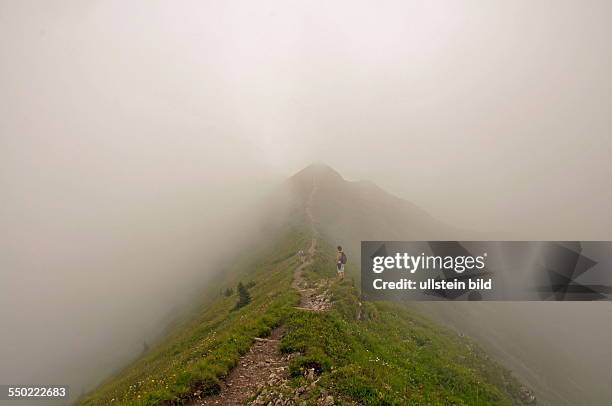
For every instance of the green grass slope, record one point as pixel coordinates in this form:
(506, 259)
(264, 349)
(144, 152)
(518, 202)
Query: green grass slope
(204, 350)
(373, 353)
(381, 353)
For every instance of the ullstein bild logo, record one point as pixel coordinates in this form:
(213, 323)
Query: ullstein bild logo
(486, 270)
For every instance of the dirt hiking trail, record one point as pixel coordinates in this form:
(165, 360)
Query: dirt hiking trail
(263, 370)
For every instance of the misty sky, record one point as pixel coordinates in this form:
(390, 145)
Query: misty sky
(466, 108)
(132, 134)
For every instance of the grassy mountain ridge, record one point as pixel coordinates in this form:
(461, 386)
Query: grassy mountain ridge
(373, 353)
(381, 353)
(202, 351)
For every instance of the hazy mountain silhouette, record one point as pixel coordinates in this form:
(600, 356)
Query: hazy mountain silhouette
(351, 211)
(317, 203)
(221, 355)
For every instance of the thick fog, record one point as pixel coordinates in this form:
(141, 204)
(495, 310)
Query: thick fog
(136, 137)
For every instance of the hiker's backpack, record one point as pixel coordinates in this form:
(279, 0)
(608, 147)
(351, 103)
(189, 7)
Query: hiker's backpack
(343, 258)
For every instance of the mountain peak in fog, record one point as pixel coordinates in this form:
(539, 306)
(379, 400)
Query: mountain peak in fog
(319, 172)
(344, 209)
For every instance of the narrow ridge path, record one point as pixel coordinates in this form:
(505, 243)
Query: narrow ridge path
(313, 297)
(264, 365)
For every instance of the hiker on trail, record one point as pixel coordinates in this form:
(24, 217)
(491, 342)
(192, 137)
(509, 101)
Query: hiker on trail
(301, 255)
(340, 261)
